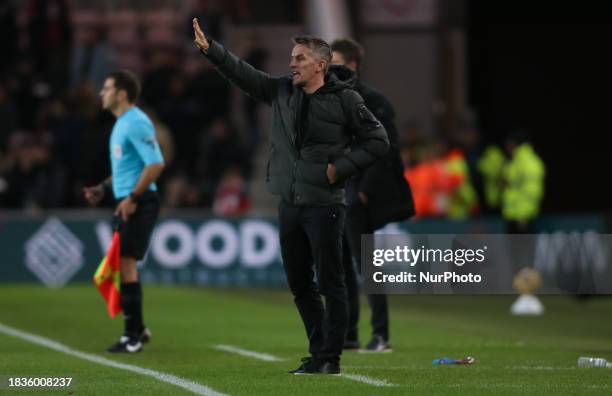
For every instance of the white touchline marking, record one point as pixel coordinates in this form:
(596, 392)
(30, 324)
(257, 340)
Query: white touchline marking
(367, 380)
(191, 386)
(244, 352)
(271, 358)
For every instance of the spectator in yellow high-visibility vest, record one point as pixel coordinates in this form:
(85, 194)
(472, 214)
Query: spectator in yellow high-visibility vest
(490, 166)
(524, 183)
(463, 199)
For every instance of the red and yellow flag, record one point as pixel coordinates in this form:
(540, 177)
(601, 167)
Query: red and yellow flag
(108, 277)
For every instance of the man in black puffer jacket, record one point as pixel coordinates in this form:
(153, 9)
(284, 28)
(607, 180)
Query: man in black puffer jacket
(377, 196)
(315, 118)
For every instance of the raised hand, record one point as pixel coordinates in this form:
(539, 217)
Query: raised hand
(199, 38)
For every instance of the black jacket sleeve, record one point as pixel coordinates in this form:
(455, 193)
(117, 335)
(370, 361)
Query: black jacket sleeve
(371, 138)
(255, 83)
(384, 112)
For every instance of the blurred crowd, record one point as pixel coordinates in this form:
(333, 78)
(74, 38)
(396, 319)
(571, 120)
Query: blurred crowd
(53, 134)
(456, 176)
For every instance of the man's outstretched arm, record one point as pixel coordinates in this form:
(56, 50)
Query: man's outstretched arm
(255, 83)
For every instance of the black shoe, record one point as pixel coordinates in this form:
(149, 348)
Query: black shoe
(326, 368)
(125, 345)
(315, 366)
(351, 345)
(306, 361)
(145, 336)
(377, 344)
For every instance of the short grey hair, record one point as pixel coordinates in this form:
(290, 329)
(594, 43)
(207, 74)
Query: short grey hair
(319, 47)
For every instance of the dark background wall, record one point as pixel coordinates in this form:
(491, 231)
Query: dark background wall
(548, 72)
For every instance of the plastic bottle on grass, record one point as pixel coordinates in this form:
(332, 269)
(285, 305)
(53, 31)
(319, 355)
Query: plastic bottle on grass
(593, 362)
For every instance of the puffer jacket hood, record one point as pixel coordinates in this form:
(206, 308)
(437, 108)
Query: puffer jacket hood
(338, 77)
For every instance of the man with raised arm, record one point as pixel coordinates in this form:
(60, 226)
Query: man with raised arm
(315, 117)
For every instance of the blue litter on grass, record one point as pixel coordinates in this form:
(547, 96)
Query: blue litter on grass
(447, 360)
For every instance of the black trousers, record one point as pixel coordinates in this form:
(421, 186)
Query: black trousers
(135, 234)
(356, 224)
(311, 247)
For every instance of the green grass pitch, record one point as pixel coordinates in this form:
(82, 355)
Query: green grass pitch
(514, 355)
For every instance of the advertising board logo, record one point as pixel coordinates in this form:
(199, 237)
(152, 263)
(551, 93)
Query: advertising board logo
(54, 254)
(216, 244)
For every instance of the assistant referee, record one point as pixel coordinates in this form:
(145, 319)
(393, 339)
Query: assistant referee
(136, 163)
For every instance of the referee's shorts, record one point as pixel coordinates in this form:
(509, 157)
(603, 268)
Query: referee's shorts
(136, 232)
